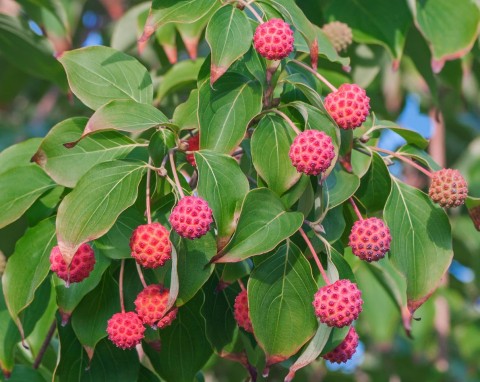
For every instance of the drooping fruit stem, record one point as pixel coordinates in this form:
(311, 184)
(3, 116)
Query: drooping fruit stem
(287, 119)
(272, 67)
(242, 287)
(140, 275)
(315, 257)
(404, 159)
(147, 201)
(175, 174)
(46, 342)
(316, 74)
(355, 208)
(120, 285)
(251, 9)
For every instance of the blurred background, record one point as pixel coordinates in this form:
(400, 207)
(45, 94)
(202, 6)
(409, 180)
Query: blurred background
(439, 100)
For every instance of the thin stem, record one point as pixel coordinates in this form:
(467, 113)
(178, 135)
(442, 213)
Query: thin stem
(175, 174)
(140, 275)
(288, 120)
(251, 9)
(315, 257)
(242, 287)
(404, 159)
(355, 208)
(147, 201)
(316, 74)
(120, 285)
(46, 342)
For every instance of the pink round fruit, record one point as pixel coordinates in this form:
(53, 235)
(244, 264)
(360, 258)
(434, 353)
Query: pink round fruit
(150, 245)
(151, 304)
(343, 352)
(241, 311)
(312, 152)
(370, 239)
(125, 330)
(273, 39)
(339, 304)
(193, 145)
(82, 264)
(191, 217)
(349, 106)
(448, 188)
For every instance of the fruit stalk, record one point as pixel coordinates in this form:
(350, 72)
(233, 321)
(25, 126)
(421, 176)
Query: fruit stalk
(315, 257)
(316, 74)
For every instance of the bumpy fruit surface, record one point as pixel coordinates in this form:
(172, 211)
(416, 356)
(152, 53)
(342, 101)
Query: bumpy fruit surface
(193, 145)
(150, 245)
(343, 352)
(312, 152)
(151, 306)
(370, 239)
(338, 304)
(3, 263)
(82, 264)
(448, 188)
(125, 330)
(349, 106)
(241, 312)
(339, 34)
(273, 39)
(191, 217)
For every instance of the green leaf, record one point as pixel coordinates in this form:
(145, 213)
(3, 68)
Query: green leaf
(178, 11)
(229, 35)
(179, 76)
(18, 154)
(412, 137)
(421, 246)
(375, 22)
(19, 188)
(185, 115)
(284, 283)
(225, 111)
(193, 265)
(25, 373)
(272, 161)
(98, 74)
(185, 348)
(89, 319)
(223, 185)
(67, 166)
(125, 115)
(29, 52)
(160, 143)
(262, 225)
(460, 18)
(339, 186)
(69, 298)
(123, 36)
(375, 185)
(92, 208)
(28, 267)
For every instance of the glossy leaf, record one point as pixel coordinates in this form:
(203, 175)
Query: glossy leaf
(98, 74)
(92, 208)
(178, 77)
(229, 36)
(18, 154)
(185, 115)
(19, 188)
(283, 283)
(160, 143)
(421, 246)
(339, 186)
(67, 166)
(271, 160)
(225, 111)
(262, 225)
(28, 267)
(221, 183)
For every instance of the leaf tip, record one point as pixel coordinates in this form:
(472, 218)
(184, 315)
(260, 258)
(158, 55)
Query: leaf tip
(148, 30)
(191, 44)
(70, 145)
(39, 158)
(314, 54)
(171, 52)
(216, 73)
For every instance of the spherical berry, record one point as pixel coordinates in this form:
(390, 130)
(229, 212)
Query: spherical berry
(339, 34)
(191, 217)
(150, 245)
(241, 312)
(193, 145)
(312, 152)
(349, 106)
(343, 352)
(273, 39)
(151, 304)
(370, 239)
(125, 330)
(82, 264)
(338, 304)
(3, 263)
(448, 188)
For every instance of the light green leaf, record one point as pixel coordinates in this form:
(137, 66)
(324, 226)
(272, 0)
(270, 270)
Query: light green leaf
(284, 283)
(185, 115)
(262, 225)
(412, 137)
(19, 154)
(92, 208)
(19, 188)
(179, 76)
(98, 74)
